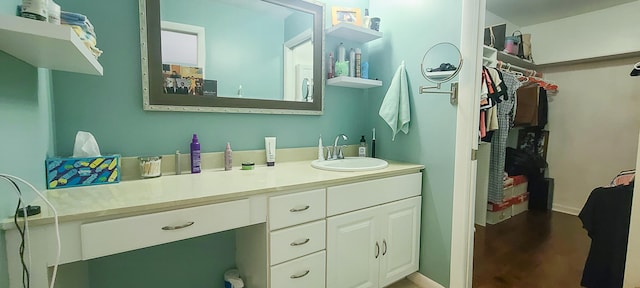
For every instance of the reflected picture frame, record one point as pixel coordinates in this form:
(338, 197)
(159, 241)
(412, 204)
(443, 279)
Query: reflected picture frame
(346, 15)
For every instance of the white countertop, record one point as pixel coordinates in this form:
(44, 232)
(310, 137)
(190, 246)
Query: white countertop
(178, 191)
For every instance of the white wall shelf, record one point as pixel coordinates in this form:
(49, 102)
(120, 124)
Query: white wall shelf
(46, 45)
(352, 82)
(515, 60)
(353, 32)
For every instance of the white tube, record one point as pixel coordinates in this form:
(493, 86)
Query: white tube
(270, 149)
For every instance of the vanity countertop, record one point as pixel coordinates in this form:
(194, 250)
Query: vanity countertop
(145, 196)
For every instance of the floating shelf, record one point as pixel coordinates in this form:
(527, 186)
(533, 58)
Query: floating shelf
(46, 45)
(353, 32)
(352, 82)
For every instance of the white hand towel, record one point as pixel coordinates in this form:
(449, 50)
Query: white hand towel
(395, 106)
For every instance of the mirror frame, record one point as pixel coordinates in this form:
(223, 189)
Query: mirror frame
(444, 80)
(151, 56)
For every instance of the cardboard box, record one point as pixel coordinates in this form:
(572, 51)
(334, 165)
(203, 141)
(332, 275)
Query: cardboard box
(74, 172)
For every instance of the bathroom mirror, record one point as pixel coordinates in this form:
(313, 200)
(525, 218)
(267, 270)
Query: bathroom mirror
(237, 56)
(441, 62)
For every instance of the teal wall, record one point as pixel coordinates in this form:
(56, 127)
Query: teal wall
(296, 23)
(25, 126)
(233, 57)
(110, 107)
(410, 28)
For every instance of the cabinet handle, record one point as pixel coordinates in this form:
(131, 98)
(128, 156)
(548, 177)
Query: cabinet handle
(185, 225)
(296, 276)
(300, 209)
(305, 241)
(384, 244)
(377, 250)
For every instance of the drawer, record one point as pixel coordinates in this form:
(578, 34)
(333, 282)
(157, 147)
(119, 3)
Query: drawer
(290, 243)
(350, 197)
(292, 209)
(126, 234)
(307, 272)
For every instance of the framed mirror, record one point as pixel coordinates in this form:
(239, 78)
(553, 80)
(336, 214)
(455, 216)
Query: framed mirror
(441, 63)
(236, 56)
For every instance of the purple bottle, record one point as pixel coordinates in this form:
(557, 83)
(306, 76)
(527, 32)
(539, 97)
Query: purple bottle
(195, 154)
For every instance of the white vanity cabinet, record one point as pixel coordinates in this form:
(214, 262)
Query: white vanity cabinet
(315, 230)
(378, 245)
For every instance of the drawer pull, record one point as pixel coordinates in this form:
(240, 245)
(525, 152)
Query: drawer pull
(384, 244)
(185, 225)
(306, 207)
(296, 276)
(305, 241)
(377, 250)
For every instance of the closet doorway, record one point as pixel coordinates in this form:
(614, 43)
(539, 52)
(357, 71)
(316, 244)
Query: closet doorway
(590, 137)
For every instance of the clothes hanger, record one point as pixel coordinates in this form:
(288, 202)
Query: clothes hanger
(636, 70)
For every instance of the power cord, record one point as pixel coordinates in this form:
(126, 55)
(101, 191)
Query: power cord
(25, 232)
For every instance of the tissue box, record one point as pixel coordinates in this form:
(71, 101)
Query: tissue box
(73, 172)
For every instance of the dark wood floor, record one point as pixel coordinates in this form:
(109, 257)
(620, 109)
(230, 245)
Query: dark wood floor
(532, 250)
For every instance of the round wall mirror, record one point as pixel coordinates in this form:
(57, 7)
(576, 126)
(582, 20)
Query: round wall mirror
(441, 62)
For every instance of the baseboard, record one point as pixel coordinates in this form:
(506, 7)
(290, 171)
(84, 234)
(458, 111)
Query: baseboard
(423, 281)
(566, 209)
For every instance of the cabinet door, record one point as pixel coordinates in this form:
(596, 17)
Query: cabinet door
(400, 240)
(353, 249)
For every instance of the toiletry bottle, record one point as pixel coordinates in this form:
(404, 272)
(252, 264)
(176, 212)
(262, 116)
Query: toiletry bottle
(341, 53)
(227, 158)
(330, 68)
(362, 150)
(357, 64)
(195, 154)
(352, 63)
(366, 21)
(178, 170)
(364, 73)
(320, 149)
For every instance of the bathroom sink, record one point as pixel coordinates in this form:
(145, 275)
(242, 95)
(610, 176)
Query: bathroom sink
(350, 164)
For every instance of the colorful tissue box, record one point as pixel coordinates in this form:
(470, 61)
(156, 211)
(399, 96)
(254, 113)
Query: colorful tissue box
(74, 172)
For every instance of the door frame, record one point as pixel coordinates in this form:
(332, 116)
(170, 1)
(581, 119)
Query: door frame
(468, 115)
(631, 276)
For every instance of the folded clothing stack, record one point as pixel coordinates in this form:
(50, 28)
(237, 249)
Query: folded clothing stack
(83, 28)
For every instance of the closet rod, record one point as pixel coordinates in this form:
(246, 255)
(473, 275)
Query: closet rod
(524, 71)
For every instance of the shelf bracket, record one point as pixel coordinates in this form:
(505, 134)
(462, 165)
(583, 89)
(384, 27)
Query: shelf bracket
(453, 93)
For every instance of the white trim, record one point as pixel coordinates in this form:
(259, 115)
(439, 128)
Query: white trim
(566, 209)
(193, 30)
(461, 268)
(423, 281)
(299, 39)
(631, 276)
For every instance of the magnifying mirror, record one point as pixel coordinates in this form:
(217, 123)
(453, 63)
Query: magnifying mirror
(441, 63)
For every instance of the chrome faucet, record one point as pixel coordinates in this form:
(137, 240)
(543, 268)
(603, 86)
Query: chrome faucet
(337, 150)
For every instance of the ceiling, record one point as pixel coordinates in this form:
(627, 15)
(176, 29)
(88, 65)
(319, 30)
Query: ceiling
(527, 12)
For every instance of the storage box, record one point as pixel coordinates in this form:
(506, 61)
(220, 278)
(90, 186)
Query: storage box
(73, 172)
(497, 216)
(520, 204)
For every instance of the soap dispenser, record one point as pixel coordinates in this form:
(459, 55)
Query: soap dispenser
(362, 150)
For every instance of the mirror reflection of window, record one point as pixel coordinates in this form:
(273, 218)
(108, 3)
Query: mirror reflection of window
(179, 48)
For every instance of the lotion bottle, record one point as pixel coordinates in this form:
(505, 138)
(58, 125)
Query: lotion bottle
(341, 53)
(366, 21)
(195, 154)
(320, 149)
(228, 164)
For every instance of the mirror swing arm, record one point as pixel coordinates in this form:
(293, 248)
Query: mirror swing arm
(453, 93)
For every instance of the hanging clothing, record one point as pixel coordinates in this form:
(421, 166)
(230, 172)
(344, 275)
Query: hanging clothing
(499, 138)
(606, 216)
(527, 113)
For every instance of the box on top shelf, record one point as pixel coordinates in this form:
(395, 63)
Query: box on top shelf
(73, 172)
